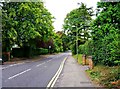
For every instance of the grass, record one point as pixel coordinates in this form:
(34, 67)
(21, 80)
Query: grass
(104, 75)
(79, 58)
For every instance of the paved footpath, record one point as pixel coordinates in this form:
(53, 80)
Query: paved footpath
(73, 75)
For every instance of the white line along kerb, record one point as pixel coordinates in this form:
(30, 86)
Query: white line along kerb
(19, 74)
(49, 84)
(58, 74)
(55, 77)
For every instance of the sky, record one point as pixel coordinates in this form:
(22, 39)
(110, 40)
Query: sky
(60, 8)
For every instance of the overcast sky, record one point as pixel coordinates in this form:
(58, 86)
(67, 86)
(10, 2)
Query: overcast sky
(60, 8)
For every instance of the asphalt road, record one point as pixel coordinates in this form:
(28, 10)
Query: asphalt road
(32, 74)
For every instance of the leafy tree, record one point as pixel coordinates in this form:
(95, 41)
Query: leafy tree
(77, 23)
(106, 34)
(25, 22)
(58, 42)
(64, 39)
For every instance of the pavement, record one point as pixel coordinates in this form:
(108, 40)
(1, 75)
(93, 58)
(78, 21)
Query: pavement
(73, 75)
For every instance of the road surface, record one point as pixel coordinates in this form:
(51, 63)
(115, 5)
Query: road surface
(32, 74)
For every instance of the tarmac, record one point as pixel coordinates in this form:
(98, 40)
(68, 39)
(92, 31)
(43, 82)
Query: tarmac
(73, 75)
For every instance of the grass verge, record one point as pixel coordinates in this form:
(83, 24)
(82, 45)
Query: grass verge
(104, 75)
(79, 58)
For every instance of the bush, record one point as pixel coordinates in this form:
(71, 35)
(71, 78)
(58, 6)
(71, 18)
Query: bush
(28, 52)
(87, 48)
(42, 51)
(106, 34)
(23, 52)
(18, 52)
(73, 48)
(104, 75)
(107, 49)
(81, 49)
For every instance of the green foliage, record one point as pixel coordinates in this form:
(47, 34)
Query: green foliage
(104, 46)
(42, 51)
(17, 52)
(60, 40)
(104, 75)
(86, 48)
(76, 25)
(106, 34)
(73, 48)
(81, 49)
(65, 42)
(28, 52)
(25, 22)
(79, 58)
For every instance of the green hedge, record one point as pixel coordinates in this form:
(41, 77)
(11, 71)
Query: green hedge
(28, 52)
(73, 48)
(86, 48)
(23, 52)
(42, 51)
(105, 35)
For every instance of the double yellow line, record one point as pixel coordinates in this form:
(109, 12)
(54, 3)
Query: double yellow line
(55, 77)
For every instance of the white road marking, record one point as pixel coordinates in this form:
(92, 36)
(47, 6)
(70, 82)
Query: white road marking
(45, 66)
(43, 63)
(19, 74)
(12, 65)
(49, 60)
(55, 77)
(62, 65)
(40, 64)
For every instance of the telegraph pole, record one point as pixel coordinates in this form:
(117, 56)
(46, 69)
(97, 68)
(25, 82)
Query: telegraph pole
(77, 42)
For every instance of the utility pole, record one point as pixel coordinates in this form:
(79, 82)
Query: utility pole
(77, 42)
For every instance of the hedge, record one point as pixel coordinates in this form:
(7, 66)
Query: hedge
(42, 51)
(28, 52)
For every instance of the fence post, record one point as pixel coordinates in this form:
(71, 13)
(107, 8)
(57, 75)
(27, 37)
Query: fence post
(7, 56)
(84, 59)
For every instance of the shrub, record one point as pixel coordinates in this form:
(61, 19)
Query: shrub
(28, 52)
(42, 51)
(104, 75)
(73, 48)
(87, 48)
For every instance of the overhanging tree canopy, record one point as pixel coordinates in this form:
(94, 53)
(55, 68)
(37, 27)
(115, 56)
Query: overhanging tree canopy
(23, 22)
